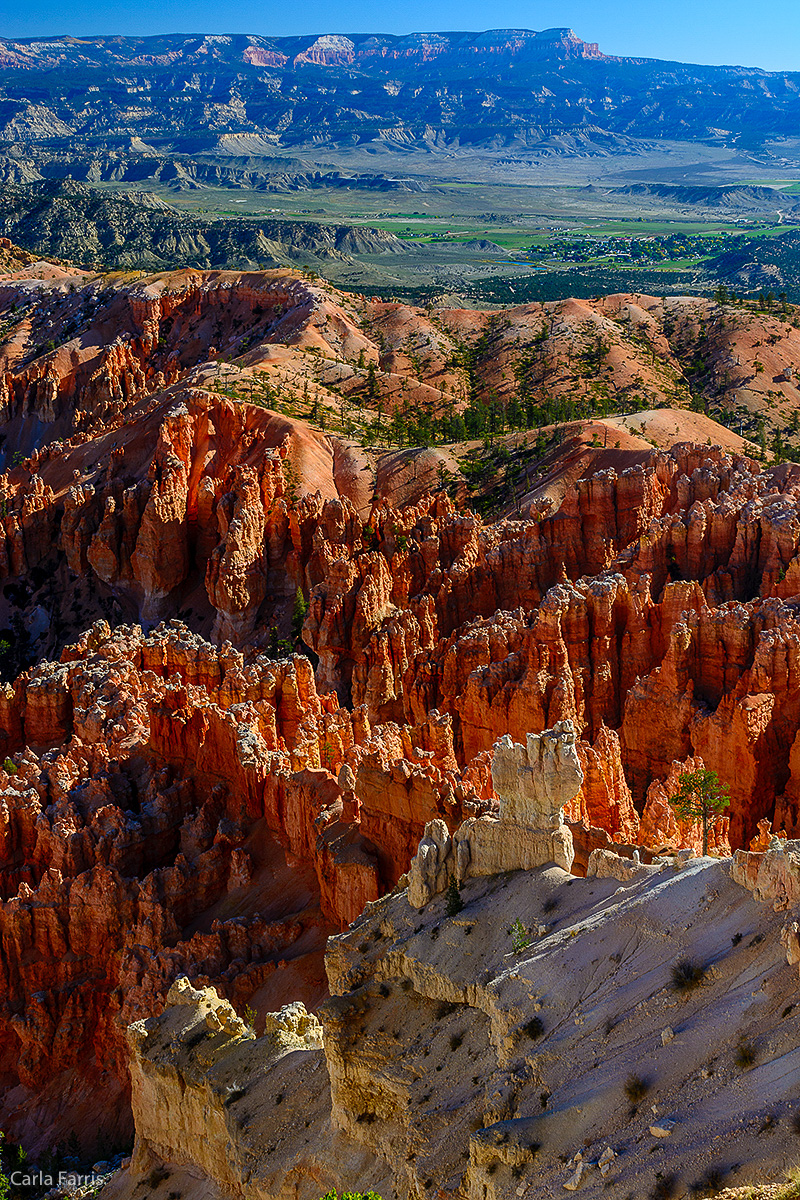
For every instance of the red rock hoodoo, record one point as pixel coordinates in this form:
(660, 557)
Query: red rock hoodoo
(181, 794)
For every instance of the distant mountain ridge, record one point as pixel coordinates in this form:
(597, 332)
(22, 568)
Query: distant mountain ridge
(326, 49)
(435, 91)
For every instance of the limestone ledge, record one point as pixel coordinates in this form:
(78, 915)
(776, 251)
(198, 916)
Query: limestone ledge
(449, 1063)
(206, 1090)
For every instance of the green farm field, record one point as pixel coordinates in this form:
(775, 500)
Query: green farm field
(496, 242)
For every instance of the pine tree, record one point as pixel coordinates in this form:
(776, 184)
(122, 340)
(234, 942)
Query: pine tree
(454, 902)
(701, 797)
(298, 614)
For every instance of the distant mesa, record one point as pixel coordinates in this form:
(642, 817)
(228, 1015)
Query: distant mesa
(324, 49)
(438, 91)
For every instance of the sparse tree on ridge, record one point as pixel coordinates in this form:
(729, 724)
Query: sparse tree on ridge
(701, 797)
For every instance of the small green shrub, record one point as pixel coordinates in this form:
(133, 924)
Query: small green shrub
(370, 1195)
(9, 767)
(534, 1028)
(4, 1184)
(520, 937)
(454, 903)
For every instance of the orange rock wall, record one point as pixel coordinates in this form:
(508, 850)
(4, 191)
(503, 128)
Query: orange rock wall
(165, 780)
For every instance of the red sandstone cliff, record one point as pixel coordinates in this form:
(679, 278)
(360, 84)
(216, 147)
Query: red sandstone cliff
(184, 801)
(186, 819)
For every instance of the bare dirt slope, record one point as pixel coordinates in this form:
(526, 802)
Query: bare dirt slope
(664, 427)
(475, 1070)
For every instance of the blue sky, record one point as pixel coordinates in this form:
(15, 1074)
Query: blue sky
(709, 31)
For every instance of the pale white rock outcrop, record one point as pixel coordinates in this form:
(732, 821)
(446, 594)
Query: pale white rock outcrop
(432, 865)
(605, 864)
(790, 940)
(437, 1040)
(772, 875)
(192, 1064)
(533, 783)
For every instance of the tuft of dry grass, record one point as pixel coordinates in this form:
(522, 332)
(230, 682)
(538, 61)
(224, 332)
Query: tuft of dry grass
(792, 1189)
(687, 975)
(745, 1054)
(636, 1088)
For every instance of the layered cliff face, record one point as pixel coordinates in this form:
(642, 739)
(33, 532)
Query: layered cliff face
(453, 1065)
(181, 796)
(427, 91)
(172, 808)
